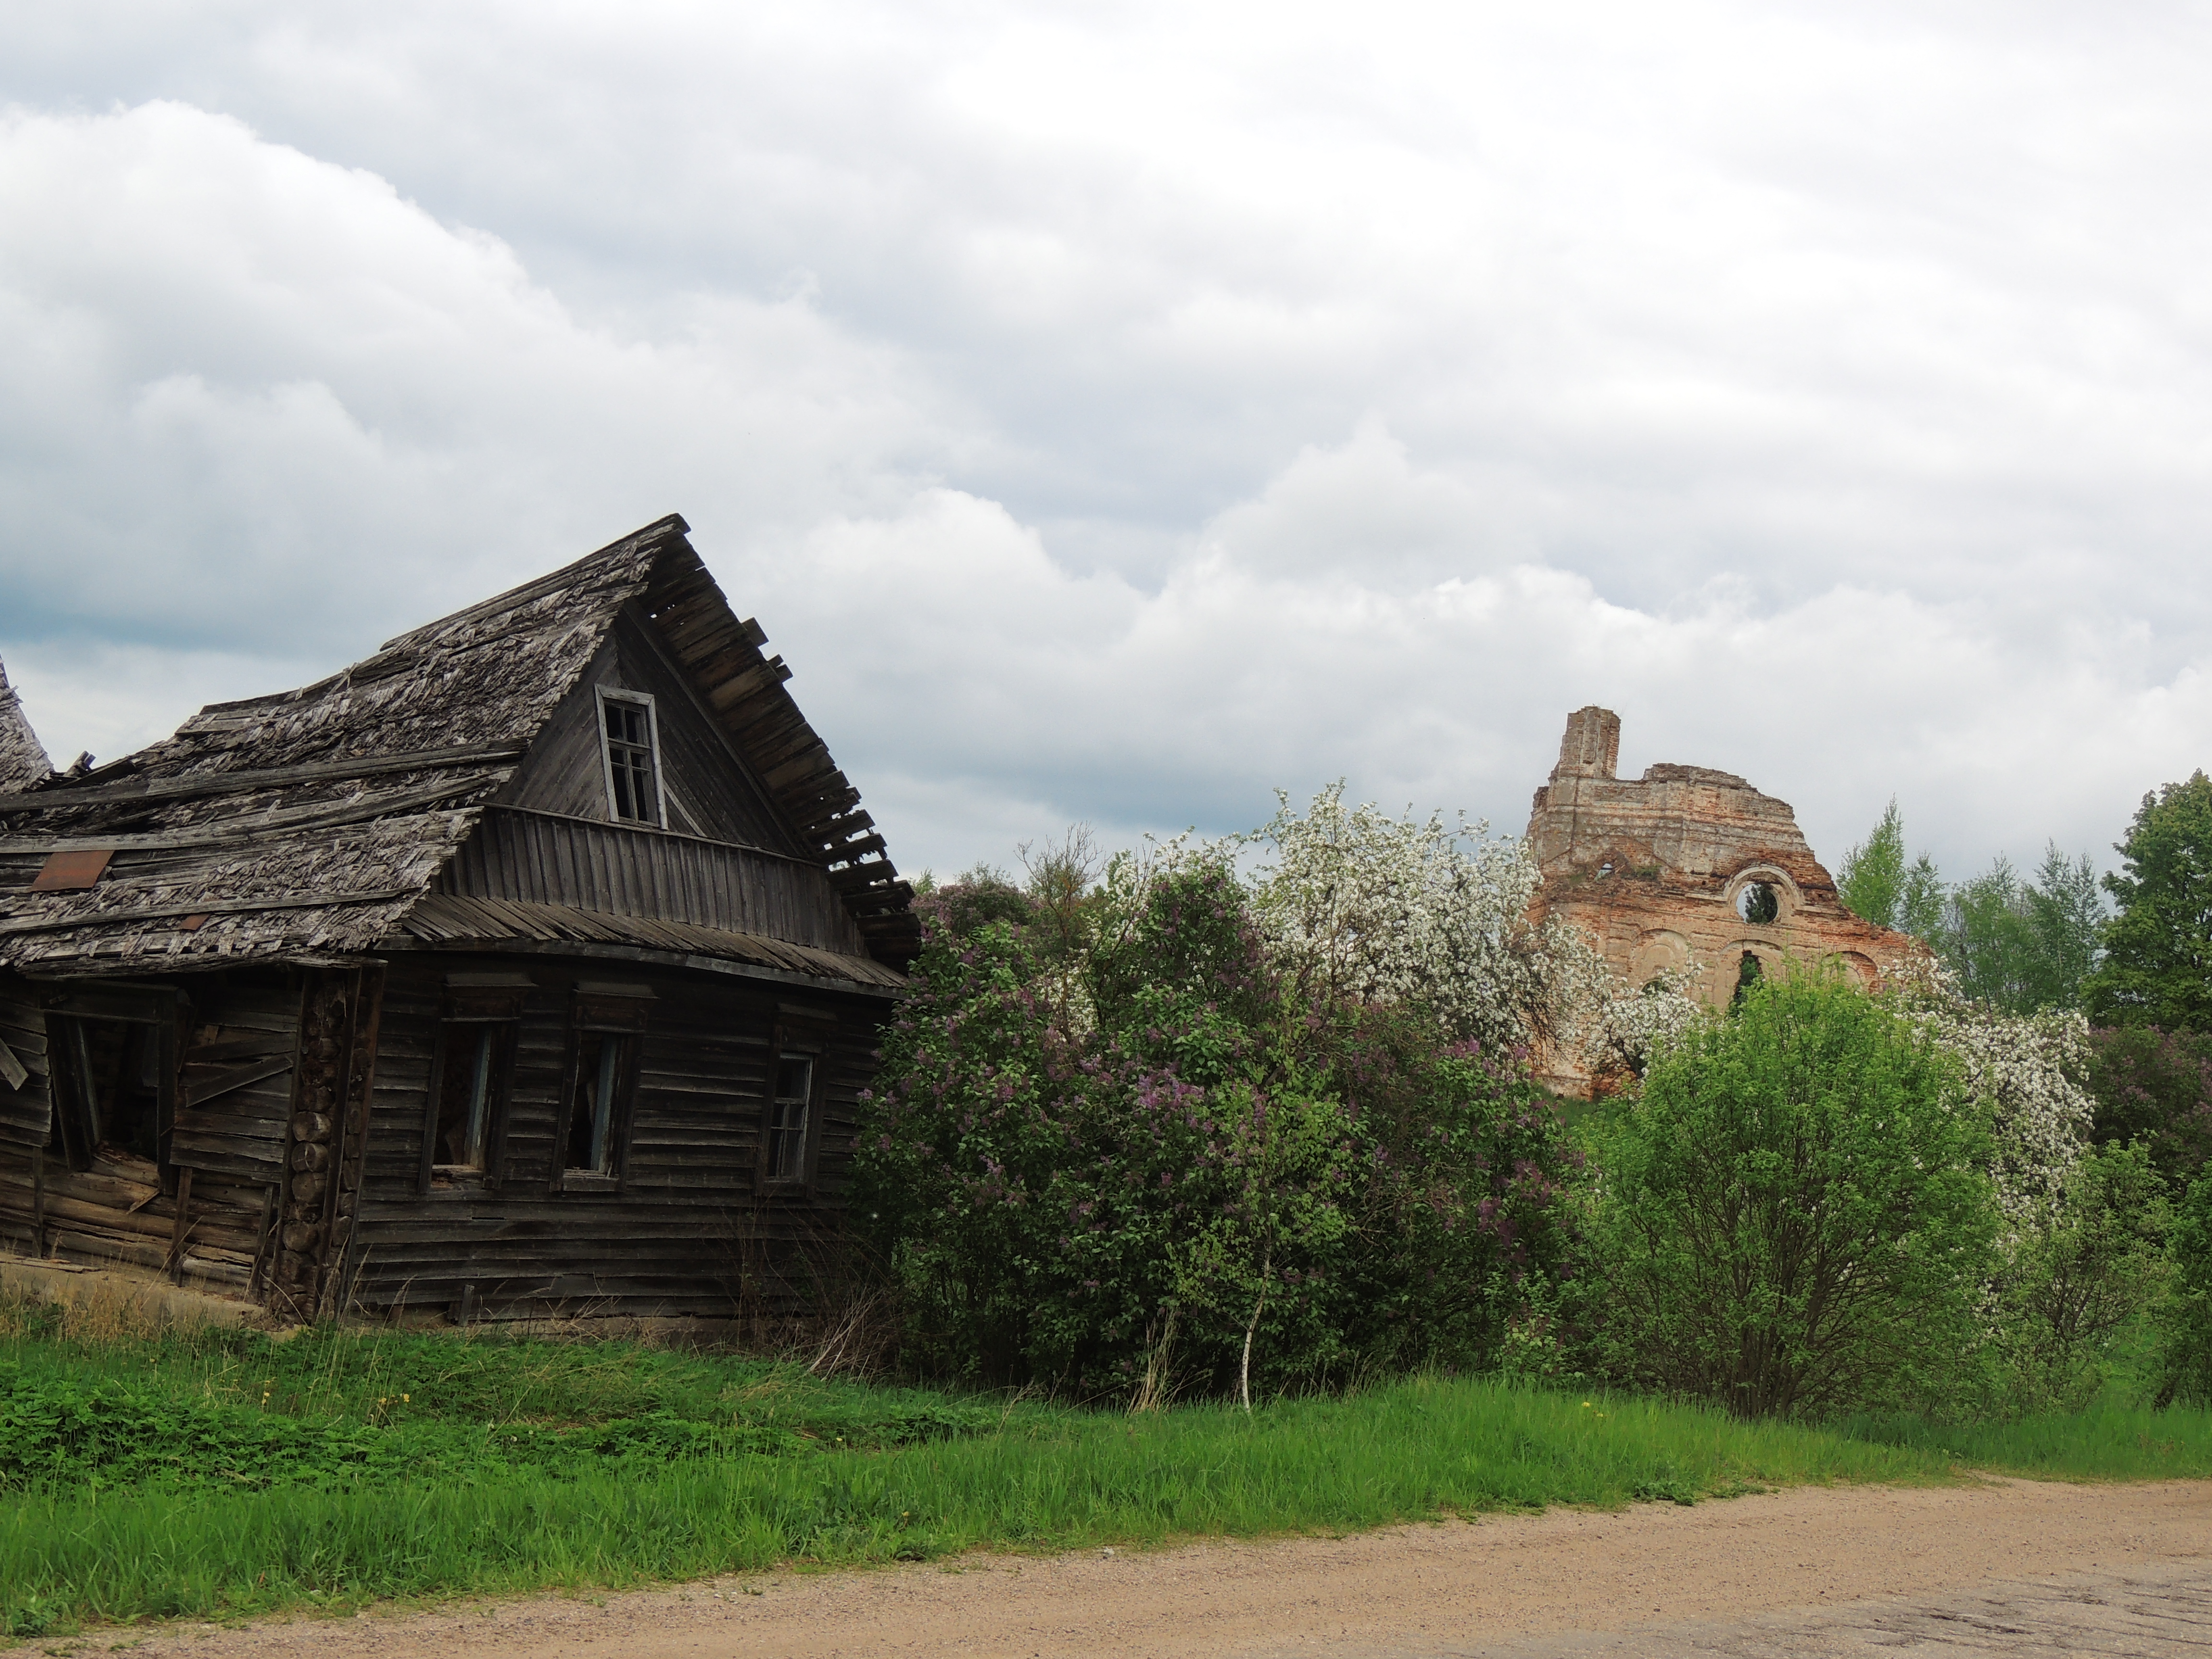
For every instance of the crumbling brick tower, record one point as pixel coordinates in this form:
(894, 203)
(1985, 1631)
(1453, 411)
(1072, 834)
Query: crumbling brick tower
(1685, 869)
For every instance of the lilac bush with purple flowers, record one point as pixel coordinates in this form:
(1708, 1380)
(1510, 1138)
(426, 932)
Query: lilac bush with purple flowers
(1115, 1149)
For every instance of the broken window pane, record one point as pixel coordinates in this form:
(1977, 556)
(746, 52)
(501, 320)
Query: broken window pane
(467, 1088)
(602, 1067)
(785, 1155)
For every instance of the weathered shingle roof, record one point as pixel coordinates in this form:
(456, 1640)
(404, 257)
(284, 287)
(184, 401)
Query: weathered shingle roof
(309, 824)
(22, 757)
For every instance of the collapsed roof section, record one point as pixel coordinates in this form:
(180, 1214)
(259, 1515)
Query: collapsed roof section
(308, 825)
(22, 757)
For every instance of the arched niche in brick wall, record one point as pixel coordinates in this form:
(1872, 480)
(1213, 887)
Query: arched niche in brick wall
(1658, 950)
(1857, 964)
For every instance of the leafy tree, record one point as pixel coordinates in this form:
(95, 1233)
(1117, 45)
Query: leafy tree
(2025, 945)
(2184, 1352)
(2157, 969)
(1878, 884)
(1354, 903)
(2155, 1087)
(2066, 917)
(2021, 946)
(2016, 945)
(1119, 1146)
(2079, 1270)
(2025, 1075)
(1795, 1218)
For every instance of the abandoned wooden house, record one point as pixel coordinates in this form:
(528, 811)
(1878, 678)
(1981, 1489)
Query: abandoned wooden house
(530, 967)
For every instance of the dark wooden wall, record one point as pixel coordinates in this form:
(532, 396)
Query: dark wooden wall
(711, 793)
(687, 1233)
(25, 1113)
(126, 1209)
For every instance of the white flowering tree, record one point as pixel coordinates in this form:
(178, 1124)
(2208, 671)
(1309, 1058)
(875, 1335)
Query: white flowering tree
(1623, 1030)
(2025, 1068)
(1389, 909)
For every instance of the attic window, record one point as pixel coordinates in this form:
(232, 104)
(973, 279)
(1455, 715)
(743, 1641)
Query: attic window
(629, 742)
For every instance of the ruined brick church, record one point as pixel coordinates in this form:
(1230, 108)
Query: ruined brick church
(1685, 870)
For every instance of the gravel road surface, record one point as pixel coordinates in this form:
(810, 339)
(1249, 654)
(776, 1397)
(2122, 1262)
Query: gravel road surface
(2011, 1567)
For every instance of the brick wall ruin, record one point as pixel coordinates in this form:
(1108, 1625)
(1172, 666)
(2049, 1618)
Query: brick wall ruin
(1684, 869)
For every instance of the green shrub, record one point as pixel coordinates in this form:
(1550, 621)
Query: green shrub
(2186, 1318)
(1794, 1218)
(1142, 1163)
(2078, 1272)
(2155, 1087)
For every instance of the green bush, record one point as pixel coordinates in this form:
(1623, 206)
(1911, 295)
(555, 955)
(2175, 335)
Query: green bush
(2186, 1318)
(1149, 1162)
(1794, 1218)
(2155, 1086)
(2079, 1270)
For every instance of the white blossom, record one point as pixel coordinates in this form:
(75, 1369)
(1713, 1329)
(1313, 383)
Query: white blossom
(1621, 1032)
(2025, 1070)
(1353, 902)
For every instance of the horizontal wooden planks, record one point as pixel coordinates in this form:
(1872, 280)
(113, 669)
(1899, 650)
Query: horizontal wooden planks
(687, 1226)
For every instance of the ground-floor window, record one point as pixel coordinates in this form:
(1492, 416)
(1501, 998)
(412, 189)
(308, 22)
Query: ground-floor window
(606, 1044)
(789, 1108)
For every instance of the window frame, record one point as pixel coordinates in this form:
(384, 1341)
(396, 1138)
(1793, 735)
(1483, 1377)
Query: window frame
(601, 1010)
(473, 1003)
(604, 695)
(811, 1040)
(74, 1119)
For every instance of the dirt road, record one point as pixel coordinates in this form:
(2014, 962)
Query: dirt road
(2014, 1566)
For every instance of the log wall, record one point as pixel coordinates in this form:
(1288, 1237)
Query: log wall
(690, 1231)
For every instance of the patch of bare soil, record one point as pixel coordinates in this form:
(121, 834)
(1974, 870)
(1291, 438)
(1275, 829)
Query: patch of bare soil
(1782, 1573)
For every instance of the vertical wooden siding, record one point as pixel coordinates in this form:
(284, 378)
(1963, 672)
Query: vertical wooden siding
(538, 858)
(711, 792)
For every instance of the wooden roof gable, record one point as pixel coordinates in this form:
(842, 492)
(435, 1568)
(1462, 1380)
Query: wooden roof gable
(309, 824)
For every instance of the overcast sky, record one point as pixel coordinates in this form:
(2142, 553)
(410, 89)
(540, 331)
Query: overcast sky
(1117, 412)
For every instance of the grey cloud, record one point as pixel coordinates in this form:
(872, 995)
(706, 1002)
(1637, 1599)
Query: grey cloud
(1117, 412)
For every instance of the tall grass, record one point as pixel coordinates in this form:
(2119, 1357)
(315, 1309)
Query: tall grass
(1409, 1451)
(387, 1465)
(2107, 1441)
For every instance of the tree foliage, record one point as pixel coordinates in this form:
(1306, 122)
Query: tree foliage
(2155, 1088)
(2016, 945)
(2024, 945)
(1132, 1140)
(1794, 1216)
(1355, 904)
(1879, 885)
(2157, 969)
(2186, 1318)
(2027, 1074)
(2079, 1267)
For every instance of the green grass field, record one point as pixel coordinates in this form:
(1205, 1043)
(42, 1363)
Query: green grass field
(221, 1472)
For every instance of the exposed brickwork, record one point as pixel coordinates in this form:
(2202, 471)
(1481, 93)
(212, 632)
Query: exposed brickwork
(1656, 870)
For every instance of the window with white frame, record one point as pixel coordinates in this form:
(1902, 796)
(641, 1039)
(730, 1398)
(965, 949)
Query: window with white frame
(629, 745)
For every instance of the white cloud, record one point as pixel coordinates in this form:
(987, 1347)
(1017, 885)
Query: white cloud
(259, 394)
(1117, 412)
